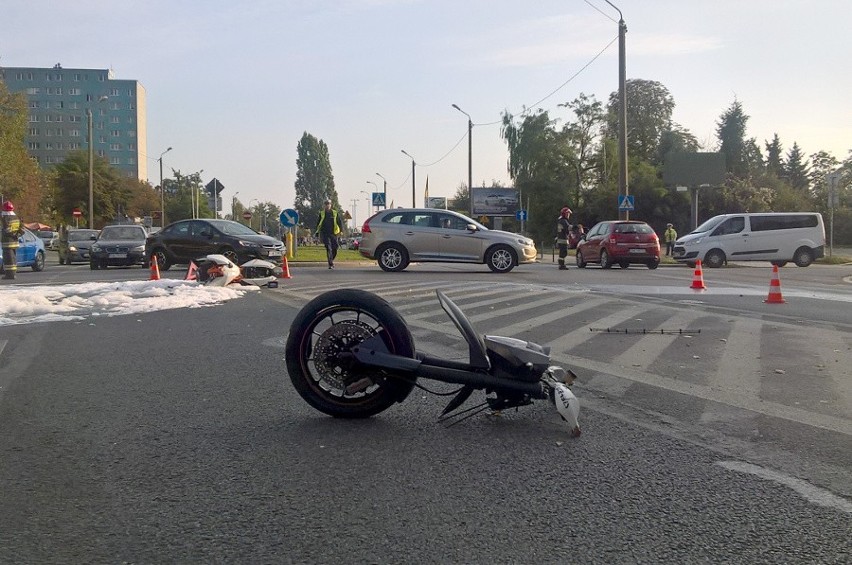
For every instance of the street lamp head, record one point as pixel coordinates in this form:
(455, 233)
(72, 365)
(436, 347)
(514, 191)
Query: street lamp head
(406, 153)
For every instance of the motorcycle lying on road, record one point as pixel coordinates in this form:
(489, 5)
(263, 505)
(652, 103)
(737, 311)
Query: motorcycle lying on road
(350, 354)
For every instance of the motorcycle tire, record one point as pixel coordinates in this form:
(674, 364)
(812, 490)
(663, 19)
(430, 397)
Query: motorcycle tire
(316, 354)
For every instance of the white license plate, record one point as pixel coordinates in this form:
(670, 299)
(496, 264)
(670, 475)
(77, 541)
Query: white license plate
(118, 255)
(275, 253)
(634, 250)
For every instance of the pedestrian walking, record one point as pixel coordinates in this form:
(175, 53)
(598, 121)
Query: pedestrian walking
(329, 226)
(669, 236)
(563, 229)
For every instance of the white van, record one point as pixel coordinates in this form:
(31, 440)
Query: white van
(774, 237)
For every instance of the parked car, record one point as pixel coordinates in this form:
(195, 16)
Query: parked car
(30, 251)
(75, 246)
(190, 240)
(395, 237)
(118, 245)
(619, 242)
(46, 237)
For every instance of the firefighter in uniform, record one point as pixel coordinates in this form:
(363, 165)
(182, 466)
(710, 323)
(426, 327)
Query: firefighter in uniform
(563, 227)
(10, 231)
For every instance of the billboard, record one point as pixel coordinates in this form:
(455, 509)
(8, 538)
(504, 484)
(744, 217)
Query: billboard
(495, 201)
(436, 202)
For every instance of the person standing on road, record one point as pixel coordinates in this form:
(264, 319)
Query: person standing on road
(563, 228)
(329, 227)
(670, 236)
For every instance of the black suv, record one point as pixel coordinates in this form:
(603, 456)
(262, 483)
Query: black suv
(190, 240)
(120, 245)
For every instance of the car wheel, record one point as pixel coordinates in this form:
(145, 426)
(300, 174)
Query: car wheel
(803, 257)
(38, 264)
(714, 259)
(163, 263)
(392, 257)
(623, 264)
(779, 263)
(581, 262)
(93, 265)
(230, 255)
(653, 264)
(606, 261)
(500, 259)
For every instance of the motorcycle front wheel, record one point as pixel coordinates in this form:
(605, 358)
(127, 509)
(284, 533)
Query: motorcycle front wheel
(319, 359)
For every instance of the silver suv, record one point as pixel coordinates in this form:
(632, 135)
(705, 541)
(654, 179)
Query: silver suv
(398, 236)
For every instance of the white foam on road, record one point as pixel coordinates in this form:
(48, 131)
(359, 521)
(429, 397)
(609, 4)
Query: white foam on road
(29, 304)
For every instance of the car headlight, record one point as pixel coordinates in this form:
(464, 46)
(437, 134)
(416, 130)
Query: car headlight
(139, 249)
(249, 244)
(72, 248)
(693, 242)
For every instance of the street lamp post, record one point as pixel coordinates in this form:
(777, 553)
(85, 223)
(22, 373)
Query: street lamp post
(385, 188)
(162, 191)
(413, 192)
(370, 199)
(623, 189)
(469, 157)
(234, 206)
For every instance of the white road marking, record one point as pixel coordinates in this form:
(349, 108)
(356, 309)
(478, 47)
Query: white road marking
(809, 492)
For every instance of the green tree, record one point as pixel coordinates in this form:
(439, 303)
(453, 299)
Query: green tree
(730, 130)
(583, 135)
(181, 192)
(796, 169)
(649, 114)
(774, 151)
(20, 178)
(72, 188)
(314, 179)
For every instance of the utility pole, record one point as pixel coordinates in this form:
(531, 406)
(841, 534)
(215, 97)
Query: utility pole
(623, 189)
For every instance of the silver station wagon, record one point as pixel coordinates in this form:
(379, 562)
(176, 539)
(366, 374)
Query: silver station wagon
(398, 236)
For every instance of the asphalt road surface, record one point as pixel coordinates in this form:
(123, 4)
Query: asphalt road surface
(176, 436)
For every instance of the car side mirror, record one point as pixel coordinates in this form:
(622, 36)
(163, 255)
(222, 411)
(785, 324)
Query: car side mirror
(472, 227)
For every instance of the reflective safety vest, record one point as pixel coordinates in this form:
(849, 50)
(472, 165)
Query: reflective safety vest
(334, 219)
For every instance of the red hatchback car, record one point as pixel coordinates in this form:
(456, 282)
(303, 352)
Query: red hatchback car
(619, 242)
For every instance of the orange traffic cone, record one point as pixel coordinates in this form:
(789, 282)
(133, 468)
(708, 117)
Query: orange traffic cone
(191, 272)
(285, 271)
(698, 277)
(155, 269)
(775, 288)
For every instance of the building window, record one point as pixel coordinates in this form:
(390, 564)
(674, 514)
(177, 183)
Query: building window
(77, 77)
(114, 120)
(33, 131)
(115, 147)
(59, 133)
(115, 106)
(33, 91)
(34, 104)
(113, 92)
(115, 161)
(115, 133)
(131, 146)
(101, 139)
(48, 145)
(59, 91)
(33, 145)
(33, 118)
(74, 91)
(101, 153)
(131, 133)
(131, 161)
(29, 76)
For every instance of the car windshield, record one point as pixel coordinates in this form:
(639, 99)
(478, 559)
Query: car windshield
(232, 228)
(122, 232)
(709, 225)
(633, 228)
(81, 235)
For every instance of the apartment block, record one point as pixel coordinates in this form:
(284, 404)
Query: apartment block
(61, 103)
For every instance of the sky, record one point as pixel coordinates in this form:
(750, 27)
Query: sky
(232, 85)
(87, 302)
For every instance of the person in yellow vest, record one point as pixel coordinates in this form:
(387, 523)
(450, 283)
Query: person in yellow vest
(670, 236)
(10, 231)
(329, 226)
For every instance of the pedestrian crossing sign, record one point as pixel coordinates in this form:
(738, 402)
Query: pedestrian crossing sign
(378, 198)
(625, 203)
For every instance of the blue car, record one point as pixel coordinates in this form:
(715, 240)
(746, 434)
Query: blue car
(30, 251)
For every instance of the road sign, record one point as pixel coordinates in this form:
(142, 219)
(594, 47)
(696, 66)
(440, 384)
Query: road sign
(77, 213)
(521, 215)
(833, 185)
(289, 218)
(625, 203)
(247, 215)
(378, 199)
